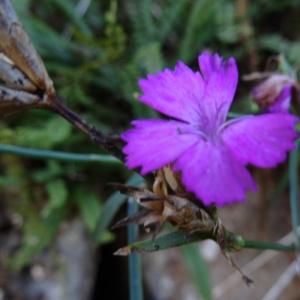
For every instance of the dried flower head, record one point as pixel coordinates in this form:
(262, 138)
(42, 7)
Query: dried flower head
(210, 152)
(168, 203)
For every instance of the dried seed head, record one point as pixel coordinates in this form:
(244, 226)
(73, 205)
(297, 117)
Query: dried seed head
(16, 45)
(166, 203)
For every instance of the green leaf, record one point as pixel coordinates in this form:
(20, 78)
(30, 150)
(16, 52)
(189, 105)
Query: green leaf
(199, 270)
(59, 155)
(171, 15)
(166, 241)
(294, 193)
(37, 233)
(44, 135)
(143, 27)
(51, 171)
(10, 181)
(21, 6)
(199, 28)
(57, 193)
(112, 206)
(69, 10)
(134, 260)
(149, 57)
(89, 206)
(49, 43)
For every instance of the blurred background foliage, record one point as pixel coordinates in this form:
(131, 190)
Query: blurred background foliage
(95, 51)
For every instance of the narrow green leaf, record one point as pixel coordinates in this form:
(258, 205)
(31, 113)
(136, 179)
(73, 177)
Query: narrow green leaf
(169, 240)
(89, 206)
(199, 270)
(199, 28)
(231, 242)
(134, 259)
(47, 47)
(58, 155)
(171, 15)
(149, 56)
(90, 209)
(58, 193)
(294, 194)
(143, 27)
(69, 10)
(47, 134)
(112, 206)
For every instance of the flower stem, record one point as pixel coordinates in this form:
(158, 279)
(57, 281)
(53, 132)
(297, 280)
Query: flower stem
(111, 144)
(268, 246)
(237, 242)
(59, 155)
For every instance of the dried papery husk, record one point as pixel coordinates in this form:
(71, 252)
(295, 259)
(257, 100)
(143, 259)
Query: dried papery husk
(187, 216)
(145, 218)
(143, 196)
(159, 185)
(15, 43)
(181, 212)
(13, 100)
(13, 77)
(19, 97)
(166, 180)
(171, 178)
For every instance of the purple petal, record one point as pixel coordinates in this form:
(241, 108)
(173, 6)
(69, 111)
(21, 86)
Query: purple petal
(282, 101)
(213, 174)
(174, 93)
(261, 140)
(152, 144)
(221, 79)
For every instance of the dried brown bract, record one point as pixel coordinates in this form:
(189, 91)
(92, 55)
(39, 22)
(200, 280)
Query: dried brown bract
(167, 202)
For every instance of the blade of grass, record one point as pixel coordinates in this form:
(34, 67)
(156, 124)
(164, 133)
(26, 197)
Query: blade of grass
(170, 16)
(59, 155)
(199, 270)
(70, 12)
(294, 195)
(200, 19)
(112, 206)
(134, 259)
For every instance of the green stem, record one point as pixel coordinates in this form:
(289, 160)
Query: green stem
(237, 242)
(294, 200)
(134, 260)
(231, 242)
(268, 246)
(59, 155)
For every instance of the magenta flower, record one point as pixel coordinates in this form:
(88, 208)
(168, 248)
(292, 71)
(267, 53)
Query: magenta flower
(210, 152)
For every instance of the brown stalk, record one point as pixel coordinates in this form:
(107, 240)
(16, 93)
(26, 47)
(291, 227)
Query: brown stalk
(112, 144)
